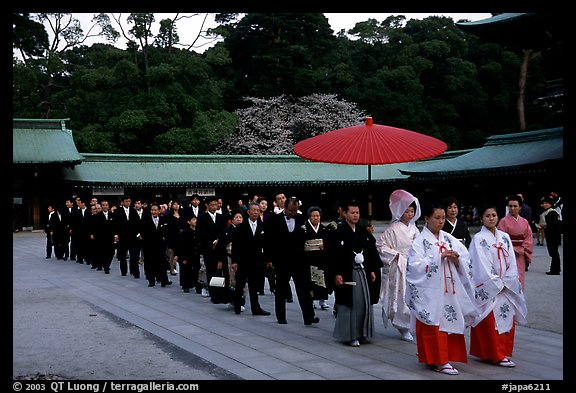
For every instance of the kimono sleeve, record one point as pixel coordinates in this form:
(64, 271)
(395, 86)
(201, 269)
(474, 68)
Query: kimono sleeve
(487, 283)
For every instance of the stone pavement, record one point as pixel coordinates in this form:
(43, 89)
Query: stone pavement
(229, 346)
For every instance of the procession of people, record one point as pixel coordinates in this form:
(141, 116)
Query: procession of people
(432, 283)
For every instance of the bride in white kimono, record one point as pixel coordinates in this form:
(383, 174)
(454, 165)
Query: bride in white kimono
(393, 246)
(498, 292)
(439, 294)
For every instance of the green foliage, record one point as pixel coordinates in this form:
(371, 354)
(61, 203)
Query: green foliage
(208, 129)
(424, 75)
(28, 36)
(94, 139)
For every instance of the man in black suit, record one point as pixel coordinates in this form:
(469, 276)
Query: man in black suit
(209, 227)
(195, 209)
(153, 233)
(285, 237)
(66, 214)
(127, 231)
(53, 231)
(248, 259)
(80, 230)
(103, 230)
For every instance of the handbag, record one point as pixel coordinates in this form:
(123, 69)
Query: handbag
(217, 282)
(219, 293)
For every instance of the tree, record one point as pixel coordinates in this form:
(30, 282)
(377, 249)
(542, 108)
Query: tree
(28, 36)
(208, 129)
(275, 54)
(274, 125)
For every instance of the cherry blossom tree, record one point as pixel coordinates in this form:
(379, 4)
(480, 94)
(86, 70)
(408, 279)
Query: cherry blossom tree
(274, 125)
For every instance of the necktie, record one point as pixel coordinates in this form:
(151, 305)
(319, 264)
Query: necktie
(253, 225)
(156, 222)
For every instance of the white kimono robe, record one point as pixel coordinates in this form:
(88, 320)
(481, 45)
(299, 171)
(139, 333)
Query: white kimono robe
(393, 247)
(495, 278)
(438, 293)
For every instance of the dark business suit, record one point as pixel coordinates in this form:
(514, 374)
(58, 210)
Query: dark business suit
(80, 233)
(53, 231)
(66, 216)
(247, 252)
(188, 253)
(286, 252)
(209, 231)
(103, 231)
(154, 246)
(127, 229)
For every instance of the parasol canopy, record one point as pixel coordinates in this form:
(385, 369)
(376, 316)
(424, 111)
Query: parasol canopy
(369, 144)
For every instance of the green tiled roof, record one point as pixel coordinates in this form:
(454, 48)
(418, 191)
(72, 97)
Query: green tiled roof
(500, 153)
(43, 142)
(221, 170)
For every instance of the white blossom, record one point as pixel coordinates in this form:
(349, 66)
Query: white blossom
(274, 125)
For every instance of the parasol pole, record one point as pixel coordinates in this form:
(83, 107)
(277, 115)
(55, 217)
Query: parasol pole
(369, 195)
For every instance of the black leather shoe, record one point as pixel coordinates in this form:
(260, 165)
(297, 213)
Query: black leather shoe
(151, 285)
(106, 271)
(553, 273)
(186, 290)
(289, 300)
(261, 312)
(237, 310)
(310, 321)
(282, 322)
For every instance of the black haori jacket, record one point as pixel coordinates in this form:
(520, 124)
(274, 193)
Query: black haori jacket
(342, 248)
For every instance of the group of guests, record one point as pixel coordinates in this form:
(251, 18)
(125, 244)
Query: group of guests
(435, 282)
(439, 281)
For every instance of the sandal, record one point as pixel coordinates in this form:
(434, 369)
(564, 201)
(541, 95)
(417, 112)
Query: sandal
(446, 369)
(506, 363)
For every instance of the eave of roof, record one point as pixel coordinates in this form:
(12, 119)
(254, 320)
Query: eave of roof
(43, 142)
(500, 154)
(228, 170)
(522, 30)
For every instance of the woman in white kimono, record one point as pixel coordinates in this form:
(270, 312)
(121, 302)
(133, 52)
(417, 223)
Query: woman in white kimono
(498, 292)
(439, 294)
(393, 247)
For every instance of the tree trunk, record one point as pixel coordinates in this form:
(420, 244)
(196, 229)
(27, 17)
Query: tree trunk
(522, 88)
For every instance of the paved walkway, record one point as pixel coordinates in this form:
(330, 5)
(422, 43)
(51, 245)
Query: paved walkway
(256, 347)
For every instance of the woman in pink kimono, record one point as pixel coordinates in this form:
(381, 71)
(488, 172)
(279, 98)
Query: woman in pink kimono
(497, 290)
(520, 233)
(393, 247)
(439, 294)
